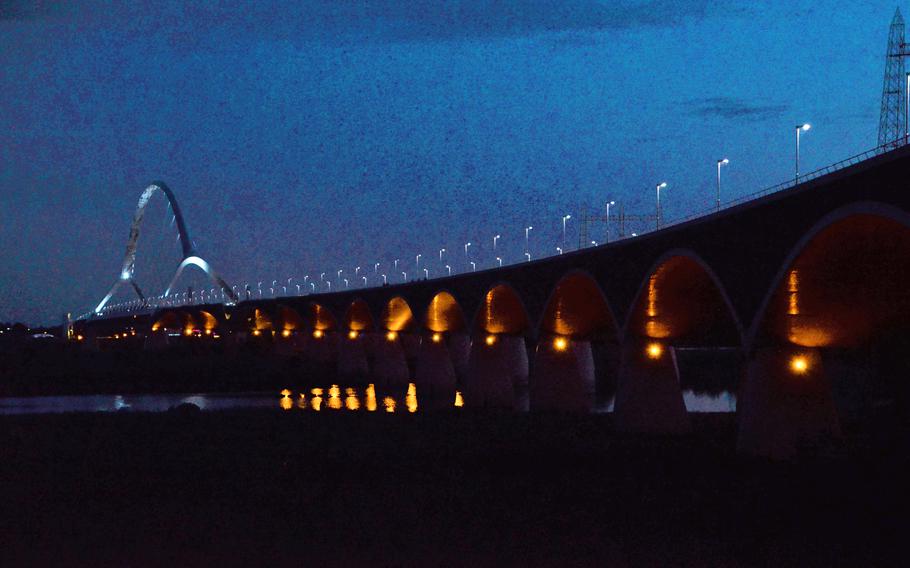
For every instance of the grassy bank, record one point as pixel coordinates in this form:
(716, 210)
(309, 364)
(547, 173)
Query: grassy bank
(447, 488)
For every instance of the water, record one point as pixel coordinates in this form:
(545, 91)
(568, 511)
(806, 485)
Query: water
(332, 398)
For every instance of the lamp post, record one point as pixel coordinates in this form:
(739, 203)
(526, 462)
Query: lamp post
(376, 268)
(564, 219)
(442, 250)
(527, 230)
(799, 128)
(357, 271)
(466, 245)
(404, 276)
(660, 186)
(364, 281)
(417, 265)
(396, 263)
(449, 268)
(527, 254)
(499, 259)
(609, 203)
(496, 238)
(721, 162)
(559, 250)
(426, 273)
(385, 279)
(473, 266)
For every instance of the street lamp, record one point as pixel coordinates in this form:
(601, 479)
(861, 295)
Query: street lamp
(527, 230)
(442, 250)
(357, 271)
(721, 162)
(417, 266)
(559, 250)
(499, 259)
(449, 268)
(473, 266)
(376, 268)
(364, 281)
(466, 245)
(404, 276)
(426, 273)
(496, 238)
(385, 279)
(799, 128)
(660, 186)
(564, 219)
(609, 203)
(527, 254)
(396, 263)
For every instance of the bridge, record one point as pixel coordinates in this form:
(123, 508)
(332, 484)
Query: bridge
(804, 284)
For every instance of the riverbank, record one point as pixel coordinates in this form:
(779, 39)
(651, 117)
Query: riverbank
(447, 488)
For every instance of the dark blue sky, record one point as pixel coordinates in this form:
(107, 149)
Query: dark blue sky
(303, 137)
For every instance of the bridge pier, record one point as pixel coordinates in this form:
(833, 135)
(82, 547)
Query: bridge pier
(390, 366)
(353, 361)
(562, 377)
(320, 351)
(435, 372)
(785, 405)
(648, 394)
(496, 366)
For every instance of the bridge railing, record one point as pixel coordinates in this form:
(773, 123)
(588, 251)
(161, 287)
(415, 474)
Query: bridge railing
(150, 304)
(845, 163)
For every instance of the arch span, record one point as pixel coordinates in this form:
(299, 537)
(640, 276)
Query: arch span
(444, 314)
(188, 248)
(397, 315)
(358, 316)
(842, 283)
(682, 299)
(577, 308)
(502, 311)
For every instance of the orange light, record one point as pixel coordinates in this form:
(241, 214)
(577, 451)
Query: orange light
(188, 331)
(352, 335)
(560, 344)
(116, 336)
(391, 336)
(389, 404)
(317, 334)
(799, 364)
(655, 350)
(286, 333)
(257, 333)
(459, 400)
(491, 339)
(285, 392)
(316, 391)
(208, 332)
(437, 337)
(79, 337)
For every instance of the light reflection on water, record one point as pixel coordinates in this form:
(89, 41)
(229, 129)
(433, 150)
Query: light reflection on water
(316, 399)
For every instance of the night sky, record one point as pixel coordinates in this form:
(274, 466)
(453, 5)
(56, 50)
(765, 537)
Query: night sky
(305, 137)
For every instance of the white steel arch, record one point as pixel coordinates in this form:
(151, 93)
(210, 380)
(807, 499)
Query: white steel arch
(188, 248)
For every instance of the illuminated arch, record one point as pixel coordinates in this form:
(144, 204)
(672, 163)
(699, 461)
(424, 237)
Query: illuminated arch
(207, 320)
(813, 299)
(397, 315)
(681, 298)
(170, 319)
(316, 316)
(502, 311)
(444, 314)
(188, 248)
(577, 308)
(287, 319)
(358, 316)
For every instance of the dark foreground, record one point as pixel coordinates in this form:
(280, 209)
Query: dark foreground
(453, 488)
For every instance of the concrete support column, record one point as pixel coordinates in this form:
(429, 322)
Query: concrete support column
(320, 354)
(562, 377)
(352, 356)
(459, 345)
(435, 372)
(390, 366)
(495, 367)
(785, 405)
(648, 396)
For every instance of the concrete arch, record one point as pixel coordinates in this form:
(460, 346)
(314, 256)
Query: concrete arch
(695, 285)
(444, 314)
(397, 315)
(865, 209)
(318, 317)
(358, 316)
(830, 337)
(287, 319)
(578, 308)
(188, 247)
(170, 319)
(502, 312)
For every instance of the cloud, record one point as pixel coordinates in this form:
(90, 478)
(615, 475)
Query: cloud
(730, 108)
(377, 20)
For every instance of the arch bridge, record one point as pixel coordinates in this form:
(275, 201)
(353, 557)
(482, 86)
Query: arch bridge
(791, 299)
